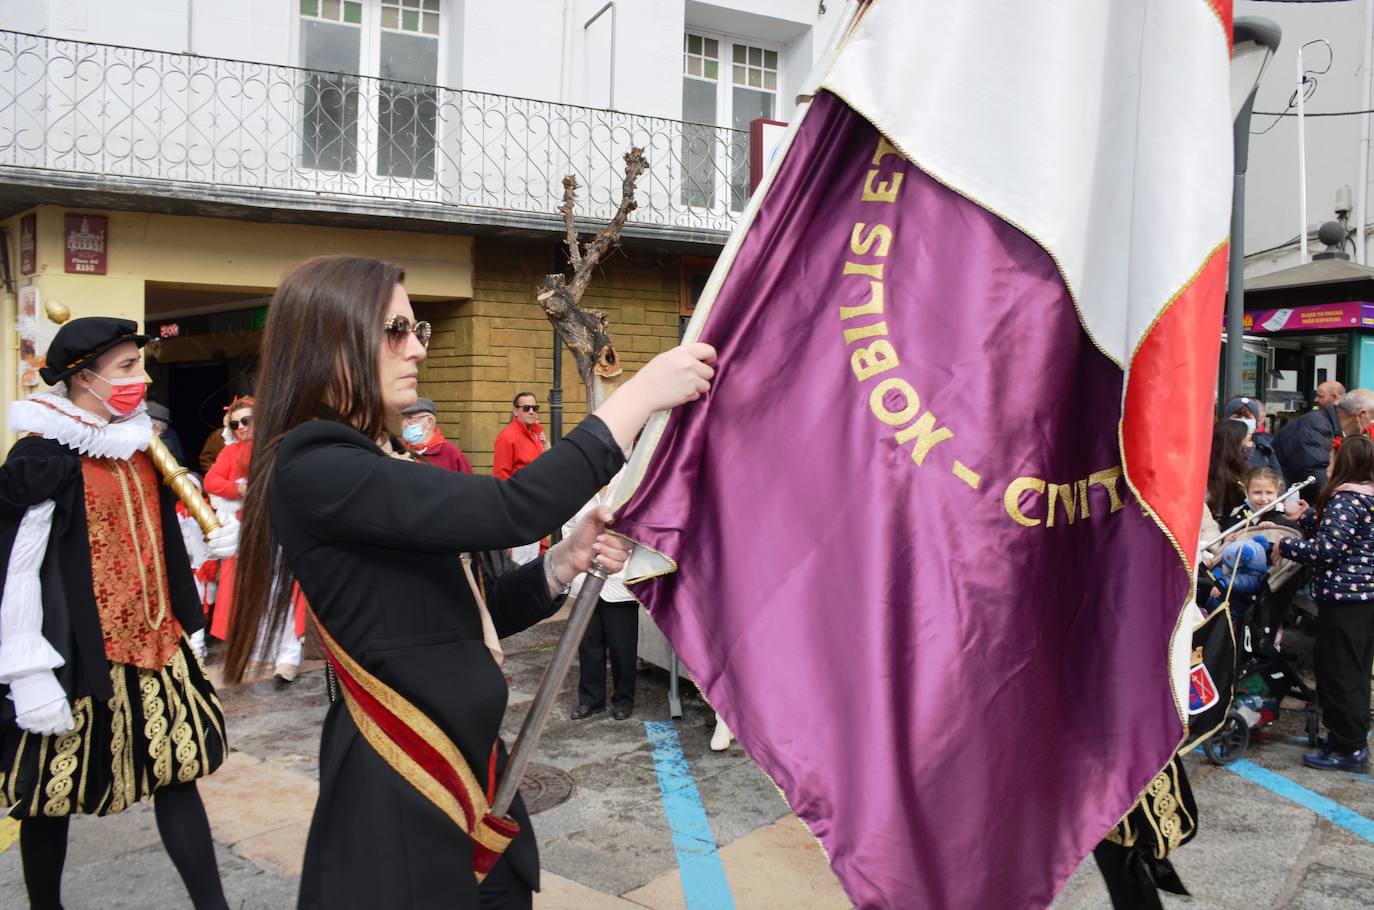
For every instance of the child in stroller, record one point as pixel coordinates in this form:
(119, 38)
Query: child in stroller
(1264, 589)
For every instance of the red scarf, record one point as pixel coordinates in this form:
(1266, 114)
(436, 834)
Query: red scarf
(436, 440)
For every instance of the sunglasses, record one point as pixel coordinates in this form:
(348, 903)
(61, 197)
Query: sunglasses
(245, 423)
(398, 328)
(529, 408)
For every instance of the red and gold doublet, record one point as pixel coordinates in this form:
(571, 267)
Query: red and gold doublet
(130, 578)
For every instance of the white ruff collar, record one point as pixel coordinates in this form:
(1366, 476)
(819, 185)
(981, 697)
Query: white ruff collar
(52, 416)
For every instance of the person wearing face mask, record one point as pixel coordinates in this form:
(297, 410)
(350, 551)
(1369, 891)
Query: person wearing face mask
(1250, 412)
(423, 438)
(106, 704)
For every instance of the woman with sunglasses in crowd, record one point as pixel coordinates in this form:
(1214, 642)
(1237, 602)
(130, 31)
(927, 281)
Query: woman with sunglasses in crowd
(227, 484)
(410, 754)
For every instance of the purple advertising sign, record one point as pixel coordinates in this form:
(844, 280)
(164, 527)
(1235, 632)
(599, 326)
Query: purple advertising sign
(1313, 318)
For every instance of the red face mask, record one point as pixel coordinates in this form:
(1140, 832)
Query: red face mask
(125, 395)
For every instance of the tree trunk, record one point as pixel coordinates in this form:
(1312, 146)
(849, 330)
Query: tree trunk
(584, 332)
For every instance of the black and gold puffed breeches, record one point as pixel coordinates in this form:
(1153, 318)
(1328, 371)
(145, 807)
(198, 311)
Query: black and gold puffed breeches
(161, 728)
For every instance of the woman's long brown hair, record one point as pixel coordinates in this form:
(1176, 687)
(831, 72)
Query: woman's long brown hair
(1226, 468)
(319, 360)
(1354, 464)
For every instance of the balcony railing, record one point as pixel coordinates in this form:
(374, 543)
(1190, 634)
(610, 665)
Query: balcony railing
(75, 109)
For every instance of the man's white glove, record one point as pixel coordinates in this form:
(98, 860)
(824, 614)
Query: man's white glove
(223, 542)
(40, 705)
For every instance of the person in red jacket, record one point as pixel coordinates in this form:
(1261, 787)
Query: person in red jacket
(522, 441)
(227, 482)
(424, 439)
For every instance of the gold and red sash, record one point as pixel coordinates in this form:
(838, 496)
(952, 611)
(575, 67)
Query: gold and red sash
(415, 748)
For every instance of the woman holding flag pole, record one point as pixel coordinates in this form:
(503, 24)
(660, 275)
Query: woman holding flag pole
(410, 759)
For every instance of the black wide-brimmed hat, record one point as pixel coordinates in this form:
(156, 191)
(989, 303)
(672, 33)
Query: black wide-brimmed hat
(79, 342)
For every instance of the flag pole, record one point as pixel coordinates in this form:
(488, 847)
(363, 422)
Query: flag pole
(1362, 213)
(538, 717)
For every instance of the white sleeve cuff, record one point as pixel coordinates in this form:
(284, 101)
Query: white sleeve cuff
(25, 654)
(37, 690)
(23, 650)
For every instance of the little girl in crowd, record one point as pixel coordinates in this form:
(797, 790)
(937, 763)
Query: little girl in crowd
(1340, 547)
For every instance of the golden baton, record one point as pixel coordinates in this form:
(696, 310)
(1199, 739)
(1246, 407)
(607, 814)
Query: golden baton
(174, 475)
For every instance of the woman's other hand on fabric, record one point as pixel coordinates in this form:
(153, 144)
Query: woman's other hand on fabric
(674, 377)
(677, 376)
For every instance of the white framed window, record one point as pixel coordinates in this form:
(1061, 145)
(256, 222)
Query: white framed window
(372, 100)
(418, 16)
(726, 82)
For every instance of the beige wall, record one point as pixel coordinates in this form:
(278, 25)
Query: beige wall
(219, 252)
(209, 253)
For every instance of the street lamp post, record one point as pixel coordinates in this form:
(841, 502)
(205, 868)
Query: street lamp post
(1254, 41)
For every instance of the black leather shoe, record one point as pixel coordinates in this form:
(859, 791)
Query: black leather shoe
(585, 711)
(620, 712)
(1326, 760)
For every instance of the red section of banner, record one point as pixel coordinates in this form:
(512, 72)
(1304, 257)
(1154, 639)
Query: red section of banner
(1166, 424)
(1224, 12)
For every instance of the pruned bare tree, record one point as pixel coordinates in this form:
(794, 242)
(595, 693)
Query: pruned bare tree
(584, 332)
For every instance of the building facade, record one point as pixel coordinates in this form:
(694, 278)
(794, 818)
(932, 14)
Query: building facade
(168, 160)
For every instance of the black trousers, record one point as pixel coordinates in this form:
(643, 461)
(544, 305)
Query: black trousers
(614, 626)
(1343, 656)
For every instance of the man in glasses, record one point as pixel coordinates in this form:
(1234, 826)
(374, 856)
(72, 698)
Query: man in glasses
(420, 430)
(522, 441)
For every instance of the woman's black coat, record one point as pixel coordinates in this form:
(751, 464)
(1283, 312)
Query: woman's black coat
(374, 544)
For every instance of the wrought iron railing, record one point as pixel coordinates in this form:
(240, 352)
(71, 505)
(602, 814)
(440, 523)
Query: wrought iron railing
(79, 108)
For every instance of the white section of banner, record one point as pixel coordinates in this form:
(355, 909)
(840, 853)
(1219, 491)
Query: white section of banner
(1085, 123)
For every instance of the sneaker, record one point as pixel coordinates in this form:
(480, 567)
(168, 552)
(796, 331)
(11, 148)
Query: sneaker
(1328, 760)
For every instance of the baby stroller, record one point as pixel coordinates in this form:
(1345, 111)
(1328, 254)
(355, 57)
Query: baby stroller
(1264, 675)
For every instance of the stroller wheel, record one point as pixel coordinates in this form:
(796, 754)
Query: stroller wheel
(1229, 742)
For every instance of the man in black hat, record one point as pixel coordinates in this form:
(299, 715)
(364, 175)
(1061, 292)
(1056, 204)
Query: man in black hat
(107, 703)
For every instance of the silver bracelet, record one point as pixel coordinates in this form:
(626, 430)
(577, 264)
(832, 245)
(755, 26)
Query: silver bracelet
(551, 578)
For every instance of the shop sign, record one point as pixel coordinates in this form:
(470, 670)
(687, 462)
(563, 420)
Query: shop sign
(85, 243)
(28, 244)
(1321, 317)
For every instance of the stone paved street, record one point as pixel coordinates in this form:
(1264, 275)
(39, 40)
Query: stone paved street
(609, 844)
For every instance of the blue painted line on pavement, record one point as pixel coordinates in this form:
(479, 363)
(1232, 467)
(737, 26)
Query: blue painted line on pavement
(1328, 809)
(704, 886)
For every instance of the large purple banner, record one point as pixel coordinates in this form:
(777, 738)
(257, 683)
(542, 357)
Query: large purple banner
(908, 571)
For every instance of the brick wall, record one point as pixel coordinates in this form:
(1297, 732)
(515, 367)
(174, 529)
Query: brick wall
(499, 343)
